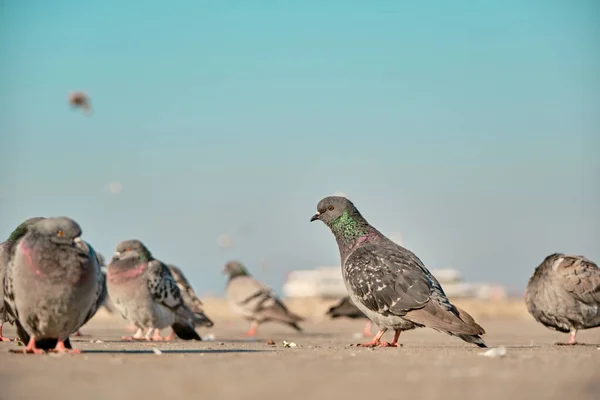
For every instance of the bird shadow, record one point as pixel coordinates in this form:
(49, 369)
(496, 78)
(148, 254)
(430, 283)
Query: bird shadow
(175, 351)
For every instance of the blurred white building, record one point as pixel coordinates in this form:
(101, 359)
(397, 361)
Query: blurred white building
(327, 282)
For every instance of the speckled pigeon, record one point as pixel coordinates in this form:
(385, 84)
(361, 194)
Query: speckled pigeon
(346, 308)
(255, 301)
(143, 290)
(52, 284)
(564, 294)
(388, 282)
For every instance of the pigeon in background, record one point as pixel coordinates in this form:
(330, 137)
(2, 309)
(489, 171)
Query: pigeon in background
(80, 100)
(388, 282)
(143, 290)
(5, 252)
(52, 284)
(564, 294)
(189, 298)
(346, 308)
(104, 296)
(253, 300)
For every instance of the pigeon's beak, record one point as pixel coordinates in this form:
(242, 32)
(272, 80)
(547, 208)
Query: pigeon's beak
(315, 217)
(116, 256)
(79, 243)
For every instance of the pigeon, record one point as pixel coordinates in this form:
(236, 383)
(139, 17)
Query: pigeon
(389, 283)
(346, 308)
(5, 250)
(255, 301)
(104, 296)
(145, 293)
(80, 100)
(189, 297)
(52, 284)
(564, 294)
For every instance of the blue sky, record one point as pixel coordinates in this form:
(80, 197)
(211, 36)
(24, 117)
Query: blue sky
(470, 127)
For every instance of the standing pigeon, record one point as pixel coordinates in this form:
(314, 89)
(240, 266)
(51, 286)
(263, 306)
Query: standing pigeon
(564, 294)
(143, 290)
(104, 296)
(52, 284)
(388, 282)
(346, 308)
(5, 251)
(255, 301)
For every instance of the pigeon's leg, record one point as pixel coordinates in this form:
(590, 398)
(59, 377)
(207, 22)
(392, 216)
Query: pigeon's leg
(367, 329)
(376, 340)
(60, 348)
(573, 337)
(139, 335)
(171, 336)
(3, 338)
(394, 342)
(32, 348)
(253, 328)
(156, 335)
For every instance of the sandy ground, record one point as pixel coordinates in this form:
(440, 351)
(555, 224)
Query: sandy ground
(429, 366)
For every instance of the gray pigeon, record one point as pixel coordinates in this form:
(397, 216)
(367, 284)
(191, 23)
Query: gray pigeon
(5, 251)
(346, 308)
(52, 284)
(144, 292)
(564, 294)
(388, 282)
(254, 301)
(104, 300)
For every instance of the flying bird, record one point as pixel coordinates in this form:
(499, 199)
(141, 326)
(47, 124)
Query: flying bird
(564, 294)
(346, 308)
(144, 291)
(80, 100)
(255, 301)
(388, 282)
(52, 284)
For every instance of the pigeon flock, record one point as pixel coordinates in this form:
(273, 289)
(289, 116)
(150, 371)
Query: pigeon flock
(52, 282)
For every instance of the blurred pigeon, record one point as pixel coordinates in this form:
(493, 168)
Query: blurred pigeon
(80, 100)
(388, 282)
(346, 308)
(255, 301)
(104, 300)
(5, 251)
(564, 294)
(143, 290)
(189, 297)
(52, 284)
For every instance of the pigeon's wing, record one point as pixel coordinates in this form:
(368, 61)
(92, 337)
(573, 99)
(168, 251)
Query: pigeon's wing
(163, 288)
(101, 292)
(257, 299)
(187, 292)
(580, 277)
(394, 281)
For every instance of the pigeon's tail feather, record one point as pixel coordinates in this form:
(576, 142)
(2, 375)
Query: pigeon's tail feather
(202, 320)
(475, 339)
(455, 320)
(185, 331)
(295, 326)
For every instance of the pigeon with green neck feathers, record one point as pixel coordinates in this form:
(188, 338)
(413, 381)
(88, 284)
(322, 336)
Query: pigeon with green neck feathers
(143, 290)
(389, 283)
(255, 301)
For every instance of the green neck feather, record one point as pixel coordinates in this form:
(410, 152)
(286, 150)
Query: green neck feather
(348, 226)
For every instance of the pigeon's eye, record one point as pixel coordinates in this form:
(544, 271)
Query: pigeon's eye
(128, 249)
(60, 233)
(330, 208)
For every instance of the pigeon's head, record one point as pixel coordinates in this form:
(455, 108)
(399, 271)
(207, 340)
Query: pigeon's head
(333, 207)
(22, 229)
(132, 249)
(235, 268)
(59, 230)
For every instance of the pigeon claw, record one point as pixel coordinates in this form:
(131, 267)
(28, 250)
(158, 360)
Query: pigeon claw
(389, 344)
(60, 348)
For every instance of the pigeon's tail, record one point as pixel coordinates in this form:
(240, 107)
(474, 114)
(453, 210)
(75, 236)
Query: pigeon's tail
(295, 326)
(185, 331)
(345, 309)
(202, 320)
(475, 339)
